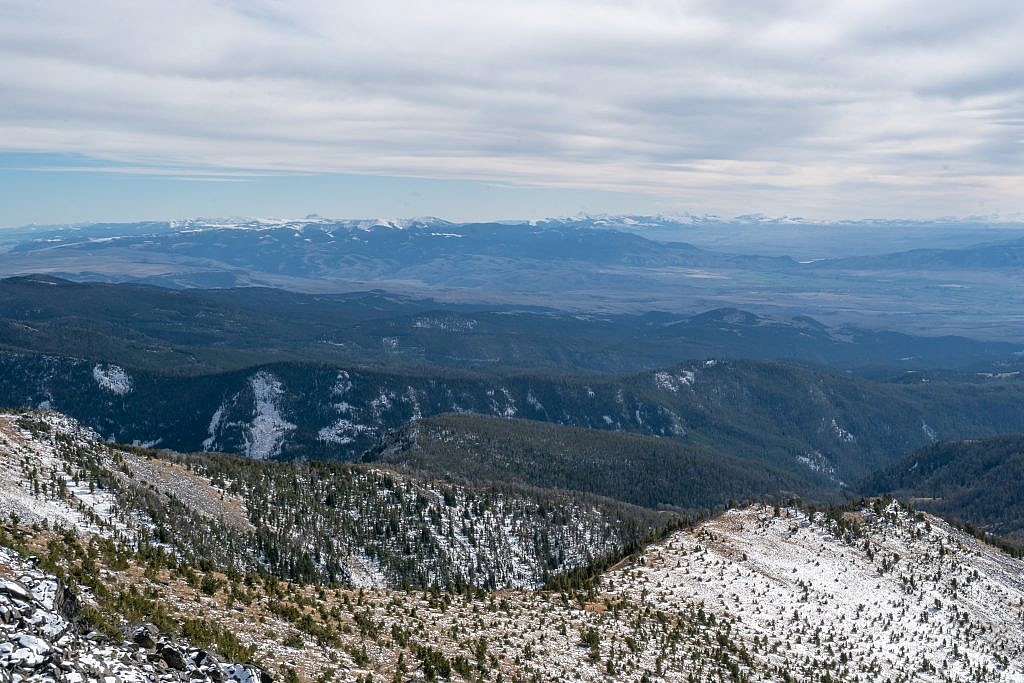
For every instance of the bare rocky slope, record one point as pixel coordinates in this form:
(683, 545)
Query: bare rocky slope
(44, 638)
(872, 592)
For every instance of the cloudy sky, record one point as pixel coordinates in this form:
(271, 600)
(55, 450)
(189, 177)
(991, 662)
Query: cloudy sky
(468, 110)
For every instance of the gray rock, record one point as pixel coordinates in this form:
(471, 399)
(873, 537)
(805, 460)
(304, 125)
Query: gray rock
(206, 659)
(173, 658)
(15, 591)
(25, 658)
(66, 603)
(37, 645)
(145, 636)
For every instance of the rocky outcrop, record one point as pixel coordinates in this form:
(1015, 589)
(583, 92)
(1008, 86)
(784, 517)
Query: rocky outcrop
(41, 640)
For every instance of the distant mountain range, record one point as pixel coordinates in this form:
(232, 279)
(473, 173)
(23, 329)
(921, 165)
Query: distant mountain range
(203, 330)
(580, 265)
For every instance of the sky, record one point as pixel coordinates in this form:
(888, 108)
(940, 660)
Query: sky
(132, 110)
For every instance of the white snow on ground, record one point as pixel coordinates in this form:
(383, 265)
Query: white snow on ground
(929, 432)
(749, 596)
(342, 431)
(113, 379)
(411, 397)
(817, 462)
(265, 434)
(36, 484)
(901, 593)
(365, 572)
(42, 479)
(674, 382)
(342, 384)
(502, 539)
(380, 405)
(215, 420)
(446, 323)
(509, 409)
(842, 433)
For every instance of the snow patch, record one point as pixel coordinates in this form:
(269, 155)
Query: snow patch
(113, 378)
(266, 433)
(446, 323)
(929, 432)
(842, 433)
(215, 421)
(667, 381)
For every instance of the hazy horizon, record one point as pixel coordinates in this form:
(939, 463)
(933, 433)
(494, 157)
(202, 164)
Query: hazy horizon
(116, 111)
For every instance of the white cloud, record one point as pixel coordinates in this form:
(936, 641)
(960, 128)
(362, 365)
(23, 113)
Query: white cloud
(783, 106)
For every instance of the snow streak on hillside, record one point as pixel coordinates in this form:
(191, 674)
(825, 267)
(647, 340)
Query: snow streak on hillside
(259, 429)
(264, 436)
(113, 379)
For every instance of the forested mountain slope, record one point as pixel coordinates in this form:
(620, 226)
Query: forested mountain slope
(327, 522)
(204, 330)
(642, 470)
(793, 417)
(980, 481)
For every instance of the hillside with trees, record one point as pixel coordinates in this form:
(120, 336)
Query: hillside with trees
(976, 481)
(642, 470)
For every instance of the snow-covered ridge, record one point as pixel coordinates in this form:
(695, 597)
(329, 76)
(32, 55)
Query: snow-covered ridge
(42, 480)
(884, 596)
(247, 223)
(693, 219)
(38, 481)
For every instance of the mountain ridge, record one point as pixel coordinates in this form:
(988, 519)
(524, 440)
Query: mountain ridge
(199, 330)
(796, 417)
(757, 593)
(576, 265)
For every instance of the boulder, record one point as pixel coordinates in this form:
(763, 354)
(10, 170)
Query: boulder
(145, 635)
(173, 658)
(15, 591)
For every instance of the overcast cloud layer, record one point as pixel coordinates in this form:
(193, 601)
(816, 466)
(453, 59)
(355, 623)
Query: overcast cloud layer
(826, 109)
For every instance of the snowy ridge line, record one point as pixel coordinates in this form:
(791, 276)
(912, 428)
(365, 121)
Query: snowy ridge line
(45, 463)
(40, 481)
(890, 590)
